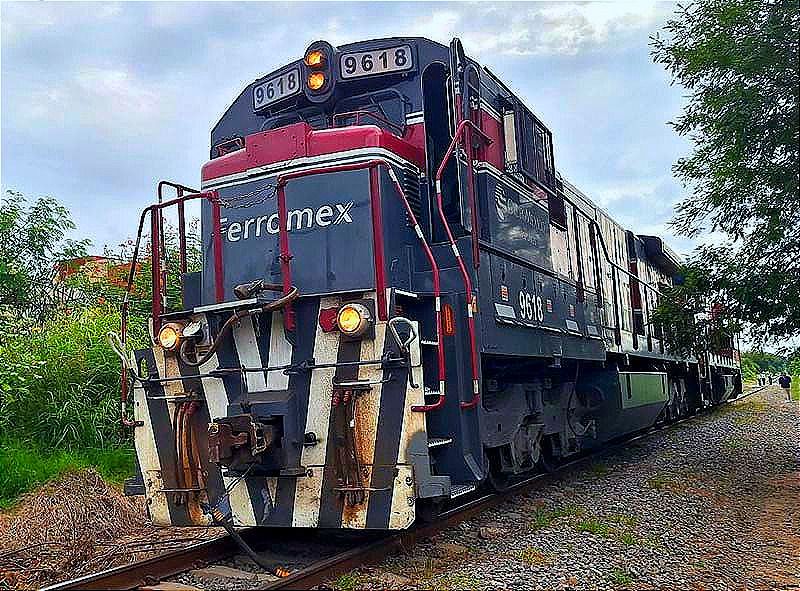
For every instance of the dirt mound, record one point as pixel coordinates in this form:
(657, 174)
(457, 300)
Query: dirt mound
(75, 525)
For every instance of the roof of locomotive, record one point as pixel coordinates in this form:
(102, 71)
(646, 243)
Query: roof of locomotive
(240, 114)
(429, 51)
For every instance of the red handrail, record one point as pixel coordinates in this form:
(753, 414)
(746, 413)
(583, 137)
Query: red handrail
(436, 292)
(155, 227)
(286, 256)
(471, 300)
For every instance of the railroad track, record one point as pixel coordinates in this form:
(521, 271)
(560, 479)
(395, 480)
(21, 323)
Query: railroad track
(339, 551)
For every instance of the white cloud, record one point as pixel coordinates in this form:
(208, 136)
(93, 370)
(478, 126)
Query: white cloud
(512, 29)
(151, 79)
(564, 28)
(21, 20)
(105, 100)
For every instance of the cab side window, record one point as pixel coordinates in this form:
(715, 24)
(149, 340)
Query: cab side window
(529, 145)
(529, 154)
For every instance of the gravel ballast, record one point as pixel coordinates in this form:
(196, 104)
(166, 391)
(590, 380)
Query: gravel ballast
(711, 503)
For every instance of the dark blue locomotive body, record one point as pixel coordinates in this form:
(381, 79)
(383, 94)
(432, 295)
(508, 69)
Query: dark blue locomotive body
(401, 299)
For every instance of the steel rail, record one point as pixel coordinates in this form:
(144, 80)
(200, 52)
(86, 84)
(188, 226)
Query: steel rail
(159, 568)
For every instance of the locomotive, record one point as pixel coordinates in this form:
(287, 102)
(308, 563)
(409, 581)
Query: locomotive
(401, 300)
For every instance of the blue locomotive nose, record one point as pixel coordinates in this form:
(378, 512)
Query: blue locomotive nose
(329, 224)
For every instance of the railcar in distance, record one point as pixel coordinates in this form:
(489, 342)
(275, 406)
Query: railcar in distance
(401, 300)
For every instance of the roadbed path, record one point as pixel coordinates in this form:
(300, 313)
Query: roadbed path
(711, 503)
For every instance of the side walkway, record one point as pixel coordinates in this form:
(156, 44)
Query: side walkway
(710, 504)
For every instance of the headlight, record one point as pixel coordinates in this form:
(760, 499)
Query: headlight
(353, 319)
(169, 337)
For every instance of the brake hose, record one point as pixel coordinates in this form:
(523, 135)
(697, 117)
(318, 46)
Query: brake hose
(235, 317)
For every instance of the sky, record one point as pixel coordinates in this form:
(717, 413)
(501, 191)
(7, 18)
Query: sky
(100, 101)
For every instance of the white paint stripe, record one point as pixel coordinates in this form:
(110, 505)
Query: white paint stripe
(244, 337)
(413, 422)
(309, 489)
(217, 402)
(276, 168)
(367, 412)
(402, 514)
(147, 453)
(167, 366)
(280, 353)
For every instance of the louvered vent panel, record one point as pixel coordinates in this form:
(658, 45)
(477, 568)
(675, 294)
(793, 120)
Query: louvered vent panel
(411, 187)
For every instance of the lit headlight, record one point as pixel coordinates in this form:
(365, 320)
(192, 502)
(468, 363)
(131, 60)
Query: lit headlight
(169, 337)
(353, 319)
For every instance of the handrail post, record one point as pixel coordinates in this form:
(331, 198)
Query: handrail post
(285, 254)
(377, 242)
(219, 283)
(470, 296)
(181, 242)
(155, 268)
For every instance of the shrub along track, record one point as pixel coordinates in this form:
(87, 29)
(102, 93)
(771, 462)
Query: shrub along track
(314, 556)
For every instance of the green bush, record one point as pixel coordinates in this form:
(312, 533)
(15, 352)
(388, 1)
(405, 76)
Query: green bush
(59, 384)
(22, 466)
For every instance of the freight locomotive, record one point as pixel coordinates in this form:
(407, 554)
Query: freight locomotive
(401, 300)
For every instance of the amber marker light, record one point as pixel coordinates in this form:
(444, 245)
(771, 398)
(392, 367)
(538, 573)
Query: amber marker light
(316, 80)
(315, 59)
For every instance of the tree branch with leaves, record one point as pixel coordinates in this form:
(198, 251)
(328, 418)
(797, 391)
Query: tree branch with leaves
(738, 60)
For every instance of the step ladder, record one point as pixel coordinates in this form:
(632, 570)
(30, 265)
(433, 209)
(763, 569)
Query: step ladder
(459, 490)
(434, 442)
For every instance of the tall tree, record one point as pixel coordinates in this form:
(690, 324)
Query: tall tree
(32, 241)
(738, 60)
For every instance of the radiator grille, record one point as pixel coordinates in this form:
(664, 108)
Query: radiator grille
(410, 181)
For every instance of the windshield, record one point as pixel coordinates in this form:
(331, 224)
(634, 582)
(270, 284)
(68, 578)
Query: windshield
(384, 108)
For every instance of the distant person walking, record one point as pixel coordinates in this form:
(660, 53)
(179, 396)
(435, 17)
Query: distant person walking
(785, 382)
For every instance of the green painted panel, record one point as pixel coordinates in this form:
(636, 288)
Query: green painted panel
(639, 389)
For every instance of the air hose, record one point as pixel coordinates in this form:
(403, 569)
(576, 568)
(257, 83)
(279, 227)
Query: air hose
(235, 317)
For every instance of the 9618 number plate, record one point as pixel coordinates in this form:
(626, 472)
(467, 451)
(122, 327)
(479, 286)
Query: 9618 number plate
(276, 88)
(378, 61)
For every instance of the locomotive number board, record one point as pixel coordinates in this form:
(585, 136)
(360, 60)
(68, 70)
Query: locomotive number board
(378, 61)
(276, 88)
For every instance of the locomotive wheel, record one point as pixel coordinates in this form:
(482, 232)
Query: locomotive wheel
(548, 462)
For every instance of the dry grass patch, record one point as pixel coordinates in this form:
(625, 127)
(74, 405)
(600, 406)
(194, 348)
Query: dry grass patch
(78, 524)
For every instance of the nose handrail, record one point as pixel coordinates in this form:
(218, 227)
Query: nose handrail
(470, 296)
(377, 236)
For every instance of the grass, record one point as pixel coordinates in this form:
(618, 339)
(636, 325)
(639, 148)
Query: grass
(452, 581)
(733, 444)
(346, 582)
(615, 526)
(23, 467)
(620, 577)
(59, 409)
(544, 517)
(594, 526)
(599, 469)
(795, 389)
(533, 556)
(663, 482)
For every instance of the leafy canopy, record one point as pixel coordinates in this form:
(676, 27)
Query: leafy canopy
(738, 60)
(32, 242)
